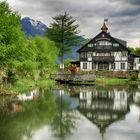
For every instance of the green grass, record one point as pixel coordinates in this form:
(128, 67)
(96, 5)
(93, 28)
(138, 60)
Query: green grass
(23, 85)
(105, 81)
(111, 81)
(83, 83)
(46, 83)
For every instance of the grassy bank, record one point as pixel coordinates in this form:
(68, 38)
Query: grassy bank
(111, 81)
(105, 81)
(24, 85)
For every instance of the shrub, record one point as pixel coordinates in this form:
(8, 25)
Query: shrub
(133, 75)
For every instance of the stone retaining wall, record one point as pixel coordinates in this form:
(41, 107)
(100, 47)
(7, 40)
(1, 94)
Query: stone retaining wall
(74, 77)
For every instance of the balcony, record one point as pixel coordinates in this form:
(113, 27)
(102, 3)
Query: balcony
(103, 59)
(103, 47)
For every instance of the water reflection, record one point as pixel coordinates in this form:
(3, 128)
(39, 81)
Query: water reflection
(104, 106)
(28, 96)
(21, 125)
(71, 113)
(24, 117)
(65, 117)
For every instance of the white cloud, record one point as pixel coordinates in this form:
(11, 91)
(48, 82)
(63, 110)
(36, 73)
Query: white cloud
(124, 16)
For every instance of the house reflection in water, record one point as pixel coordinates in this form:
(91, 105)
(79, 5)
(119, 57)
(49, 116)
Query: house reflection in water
(136, 97)
(28, 96)
(103, 107)
(16, 105)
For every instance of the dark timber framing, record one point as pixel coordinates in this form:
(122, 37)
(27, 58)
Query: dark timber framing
(105, 52)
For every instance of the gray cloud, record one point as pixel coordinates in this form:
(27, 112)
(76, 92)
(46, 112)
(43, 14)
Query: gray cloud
(133, 2)
(124, 15)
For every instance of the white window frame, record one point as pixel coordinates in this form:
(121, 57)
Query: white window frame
(122, 65)
(84, 66)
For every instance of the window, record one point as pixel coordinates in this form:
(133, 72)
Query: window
(103, 54)
(122, 66)
(113, 66)
(138, 60)
(107, 54)
(90, 45)
(115, 45)
(103, 66)
(104, 43)
(84, 65)
(89, 54)
(94, 54)
(124, 54)
(94, 66)
(83, 55)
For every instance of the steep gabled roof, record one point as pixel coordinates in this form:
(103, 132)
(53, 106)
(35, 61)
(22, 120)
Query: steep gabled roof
(122, 43)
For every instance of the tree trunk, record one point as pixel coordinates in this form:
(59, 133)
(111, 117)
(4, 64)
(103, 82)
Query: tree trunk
(62, 60)
(36, 77)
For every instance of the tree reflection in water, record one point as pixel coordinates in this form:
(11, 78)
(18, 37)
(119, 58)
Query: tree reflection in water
(65, 117)
(35, 114)
(58, 110)
(48, 109)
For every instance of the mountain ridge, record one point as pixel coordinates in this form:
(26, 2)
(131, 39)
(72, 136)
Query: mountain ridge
(33, 28)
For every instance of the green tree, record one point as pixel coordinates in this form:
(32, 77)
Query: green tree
(44, 54)
(21, 56)
(64, 32)
(11, 41)
(135, 51)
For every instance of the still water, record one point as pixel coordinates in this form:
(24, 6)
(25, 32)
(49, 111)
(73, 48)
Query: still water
(72, 113)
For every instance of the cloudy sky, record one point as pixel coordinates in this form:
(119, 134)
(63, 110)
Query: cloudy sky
(123, 15)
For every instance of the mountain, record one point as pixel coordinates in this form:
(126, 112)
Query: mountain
(33, 27)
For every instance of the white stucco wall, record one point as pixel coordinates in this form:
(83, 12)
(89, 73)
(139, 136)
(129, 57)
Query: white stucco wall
(136, 63)
(117, 56)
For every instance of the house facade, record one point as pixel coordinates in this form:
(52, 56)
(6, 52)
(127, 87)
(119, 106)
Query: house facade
(105, 52)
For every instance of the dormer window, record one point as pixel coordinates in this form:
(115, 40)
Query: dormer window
(115, 45)
(104, 43)
(90, 45)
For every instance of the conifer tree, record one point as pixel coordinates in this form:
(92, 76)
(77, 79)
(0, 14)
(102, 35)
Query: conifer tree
(64, 32)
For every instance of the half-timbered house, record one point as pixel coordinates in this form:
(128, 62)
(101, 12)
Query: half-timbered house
(105, 52)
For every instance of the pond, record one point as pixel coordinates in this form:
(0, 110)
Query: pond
(71, 113)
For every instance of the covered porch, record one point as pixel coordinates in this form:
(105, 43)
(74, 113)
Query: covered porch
(103, 66)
